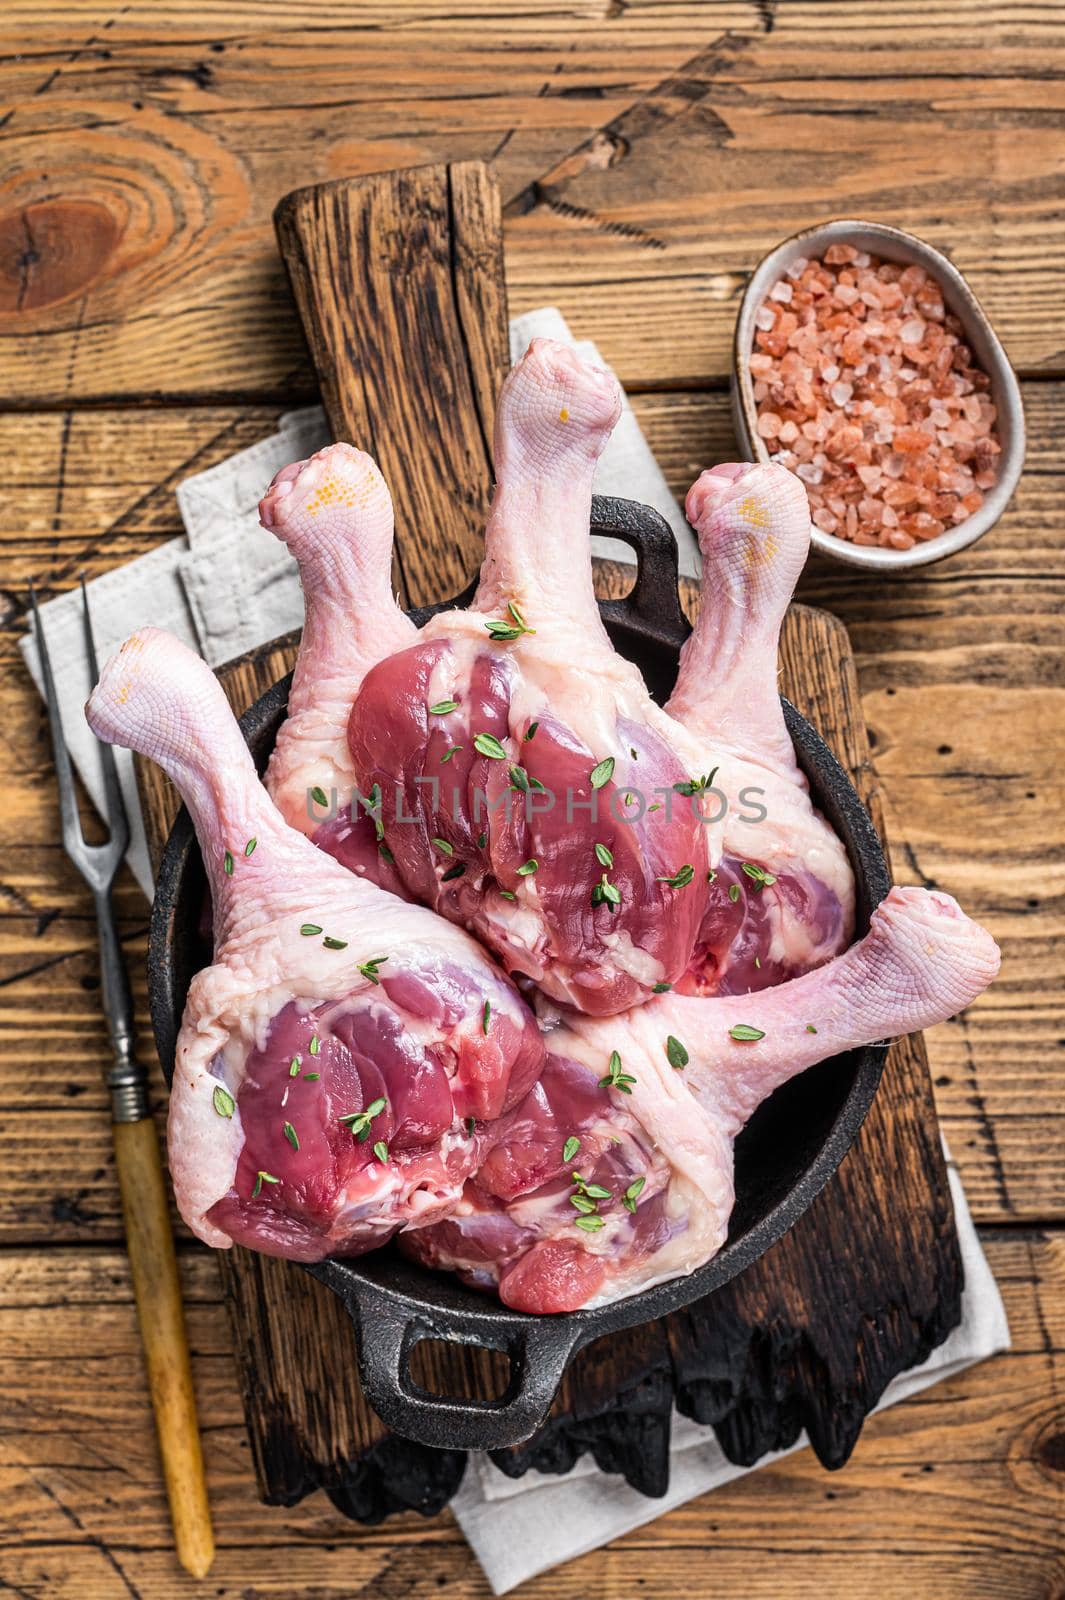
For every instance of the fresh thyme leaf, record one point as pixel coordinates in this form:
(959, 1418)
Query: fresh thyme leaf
(454, 751)
(291, 1135)
(758, 963)
(294, 1066)
(488, 745)
(319, 796)
(499, 629)
(758, 875)
(329, 943)
(260, 1179)
(743, 1033)
(570, 1148)
(369, 968)
(520, 779)
(311, 1077)
(486, 1016)
(530, 732)
(227, 863)
(442, 708)
(315, 1045)
(527, 868)
(587, 1208)
(810, 1028)
(632, 1194)
(358, 1122)
(615, 1078)
(602, 772)
(734, 892)
(680, 879)
(309, 929)
(676, 1054)
(711, 876)
(385, 853)
(482, 840)
(380, 1150)
(595, 1191)
(603, 856)
(453, 872)
(661, 988)
(656, 807)
(249, 848)
(223, 1101)
(471, 1124)
(589, 1224)
(508, 894)
(442, 845)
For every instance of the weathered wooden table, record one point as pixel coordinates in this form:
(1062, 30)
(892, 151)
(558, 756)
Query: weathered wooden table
(650, 152)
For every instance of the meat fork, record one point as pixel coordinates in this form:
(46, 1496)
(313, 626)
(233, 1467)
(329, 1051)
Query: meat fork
(140, 1170)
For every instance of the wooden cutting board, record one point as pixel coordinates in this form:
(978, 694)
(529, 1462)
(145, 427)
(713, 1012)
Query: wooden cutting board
(398, 279)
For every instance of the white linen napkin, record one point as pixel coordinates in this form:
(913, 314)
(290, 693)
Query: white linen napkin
(228, 586)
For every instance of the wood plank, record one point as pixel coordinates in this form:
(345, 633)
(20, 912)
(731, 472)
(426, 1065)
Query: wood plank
(974, 645)
(954, 1494)
(137, 256)
(160, 156)
(413, 374)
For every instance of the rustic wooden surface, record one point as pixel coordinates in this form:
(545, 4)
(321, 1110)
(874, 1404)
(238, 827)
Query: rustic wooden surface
(147, 332)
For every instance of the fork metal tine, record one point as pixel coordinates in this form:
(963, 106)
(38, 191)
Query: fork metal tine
(117, 817)
(97, 863)
(73, 838)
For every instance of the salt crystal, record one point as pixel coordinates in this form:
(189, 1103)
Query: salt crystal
(830, 373)
(781, 291)
(797, 268)
(912, 331)
(837, 254)
(808, 472)
(764, 319)
(789, 431)
(841, 393)
(768, 424)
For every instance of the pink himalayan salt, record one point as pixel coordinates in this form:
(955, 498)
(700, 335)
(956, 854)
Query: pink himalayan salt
(866, 390)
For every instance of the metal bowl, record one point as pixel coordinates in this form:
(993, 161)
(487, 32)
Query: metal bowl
(784, 1156)
(893, 245)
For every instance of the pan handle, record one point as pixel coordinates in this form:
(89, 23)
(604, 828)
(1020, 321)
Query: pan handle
(387, 1331)
(654, 599)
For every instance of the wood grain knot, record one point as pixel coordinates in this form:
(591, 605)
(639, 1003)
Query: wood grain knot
(1050, 1452)
(52, 250)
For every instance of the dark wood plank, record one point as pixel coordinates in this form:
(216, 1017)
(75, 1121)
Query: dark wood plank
(954, 1495)
(398, 279)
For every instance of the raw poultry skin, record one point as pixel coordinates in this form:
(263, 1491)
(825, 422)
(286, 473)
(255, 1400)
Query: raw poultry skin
(336, 1057)
(781, 900)
(550, 1233)
(481, 749)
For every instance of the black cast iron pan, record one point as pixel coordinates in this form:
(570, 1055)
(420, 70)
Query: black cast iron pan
(784, 1156)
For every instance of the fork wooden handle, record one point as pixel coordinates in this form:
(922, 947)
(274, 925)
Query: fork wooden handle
(166, 1352)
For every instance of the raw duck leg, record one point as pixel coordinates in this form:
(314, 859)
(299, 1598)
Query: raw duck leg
(331, 1055)
(527, 777)
(334, 513)
(782, 900)
(588, 1192)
